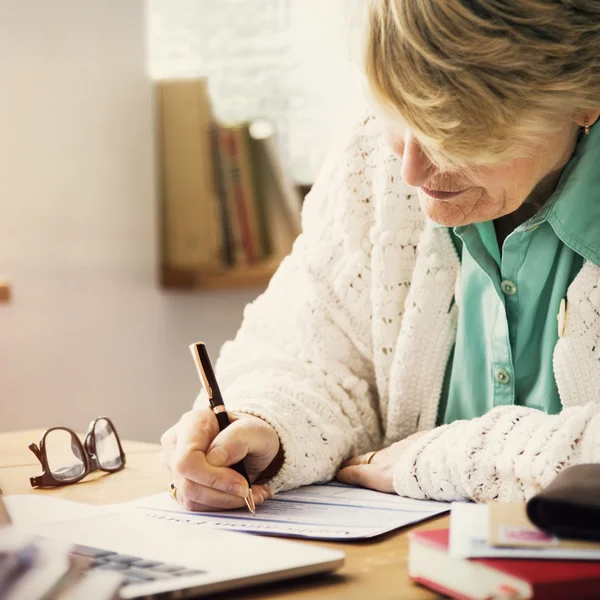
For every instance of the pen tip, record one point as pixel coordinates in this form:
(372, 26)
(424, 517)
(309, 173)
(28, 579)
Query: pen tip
(250, 502)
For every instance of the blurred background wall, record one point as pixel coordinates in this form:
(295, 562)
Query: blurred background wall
(284, 59)
(88, 331)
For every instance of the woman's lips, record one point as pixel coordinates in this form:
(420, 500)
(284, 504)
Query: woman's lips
(439, 195)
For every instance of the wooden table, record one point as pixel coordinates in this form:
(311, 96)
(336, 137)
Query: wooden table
(374, 569)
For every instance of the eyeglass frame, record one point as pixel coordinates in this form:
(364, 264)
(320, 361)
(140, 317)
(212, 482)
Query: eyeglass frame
(88, 452)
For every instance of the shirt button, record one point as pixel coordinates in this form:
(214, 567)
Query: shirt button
(508, 287)
(502, 376)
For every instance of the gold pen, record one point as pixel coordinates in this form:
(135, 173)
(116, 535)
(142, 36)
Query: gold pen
(211, 387)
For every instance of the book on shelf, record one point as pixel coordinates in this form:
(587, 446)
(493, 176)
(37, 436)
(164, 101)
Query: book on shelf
(240, 191)
(230, 232)
(261, 199)
(275, 182)
(191, 231)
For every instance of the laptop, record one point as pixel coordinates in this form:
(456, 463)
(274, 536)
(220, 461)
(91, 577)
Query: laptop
(157, 555)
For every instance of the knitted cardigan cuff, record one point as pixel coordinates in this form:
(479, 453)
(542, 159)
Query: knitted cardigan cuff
(428, 469)
(509, 454)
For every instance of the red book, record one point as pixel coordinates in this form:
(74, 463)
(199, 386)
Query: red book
(431, 565)
(240, 188)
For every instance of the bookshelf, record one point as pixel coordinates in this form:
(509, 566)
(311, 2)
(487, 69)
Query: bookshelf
(229, 208)
(242, 276)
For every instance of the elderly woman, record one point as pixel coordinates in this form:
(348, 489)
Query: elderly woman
(435, 331)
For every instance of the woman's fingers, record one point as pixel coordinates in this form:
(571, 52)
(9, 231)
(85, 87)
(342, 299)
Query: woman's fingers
(248, 439)
(192, 466)
(361, 459)
(195, 497)
(389, 455)
(375, 470)
(196, 430)
(208, 482)
(190, 434)
(264, 490)
(183, 452)
(191, 494)
(375, 477)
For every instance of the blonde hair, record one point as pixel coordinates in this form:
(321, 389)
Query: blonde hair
(482, 80)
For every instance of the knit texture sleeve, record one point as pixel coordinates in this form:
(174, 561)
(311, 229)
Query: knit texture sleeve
(302, 359)
(508, 455)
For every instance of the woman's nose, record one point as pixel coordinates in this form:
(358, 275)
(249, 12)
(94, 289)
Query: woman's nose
(416, 166)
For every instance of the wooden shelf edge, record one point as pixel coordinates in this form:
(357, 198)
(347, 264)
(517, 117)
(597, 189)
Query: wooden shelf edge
(239, 277)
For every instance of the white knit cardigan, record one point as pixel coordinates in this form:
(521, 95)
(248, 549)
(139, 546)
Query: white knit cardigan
(347, 349)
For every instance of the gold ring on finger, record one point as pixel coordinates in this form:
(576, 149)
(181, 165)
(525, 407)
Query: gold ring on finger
(369, 457)
(173, 491)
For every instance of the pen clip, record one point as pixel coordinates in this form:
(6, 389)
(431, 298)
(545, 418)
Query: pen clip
(200, 367)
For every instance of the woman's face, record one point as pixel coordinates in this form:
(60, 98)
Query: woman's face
(485, 193)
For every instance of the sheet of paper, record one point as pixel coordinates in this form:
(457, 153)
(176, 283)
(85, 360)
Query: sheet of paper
(31, 510)
(470, 532)
(331, 511)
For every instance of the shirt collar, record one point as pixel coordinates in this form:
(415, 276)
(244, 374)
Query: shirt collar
(573, 210)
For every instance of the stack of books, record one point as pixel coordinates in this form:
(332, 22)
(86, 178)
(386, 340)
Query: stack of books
(39, 569)
(227, 202)
(494, 551)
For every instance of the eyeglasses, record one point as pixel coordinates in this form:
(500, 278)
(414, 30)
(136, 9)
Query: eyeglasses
(66, 460)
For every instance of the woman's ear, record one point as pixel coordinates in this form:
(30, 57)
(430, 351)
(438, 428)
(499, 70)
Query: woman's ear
(591, 115)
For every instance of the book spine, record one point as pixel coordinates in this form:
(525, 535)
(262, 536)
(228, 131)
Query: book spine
(239, 253)
(277, 231)
(240, 193)
(221, 192)
(247, 182)
(191, 231)
(287, 195)
(259, 195)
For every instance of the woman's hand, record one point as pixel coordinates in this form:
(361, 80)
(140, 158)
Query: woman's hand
(198, 457)
(379, 473)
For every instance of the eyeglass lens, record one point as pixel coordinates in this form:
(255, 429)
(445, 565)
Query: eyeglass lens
(108, 452)
(65, 456)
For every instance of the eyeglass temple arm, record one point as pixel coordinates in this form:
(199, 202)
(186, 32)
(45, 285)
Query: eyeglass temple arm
(36, 481)
(38, 453)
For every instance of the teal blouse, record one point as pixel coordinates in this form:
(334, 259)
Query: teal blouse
(509, 300)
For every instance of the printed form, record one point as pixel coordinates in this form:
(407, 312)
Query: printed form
(331, 511)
